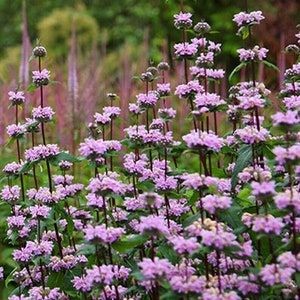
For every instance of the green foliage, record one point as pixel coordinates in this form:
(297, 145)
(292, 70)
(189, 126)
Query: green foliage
(55, 30)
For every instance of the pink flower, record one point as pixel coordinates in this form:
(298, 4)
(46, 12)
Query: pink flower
(288, 118)
(16, 98)
(203, 139)
(185, 50)
(288, 199)
(147, 100)
(267, 224)
(190, 89)
(81, 284)
(273, 274)
(16, 130)
(182, 245)
(41, 77)
(155, 268)
(42, 114)
(243, 18)
(183, 20)
(263, 188)
(212, 203)
(163, 89)
(102, 233)
(152, 225)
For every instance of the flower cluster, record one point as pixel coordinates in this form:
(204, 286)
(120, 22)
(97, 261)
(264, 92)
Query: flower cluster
(205, 217)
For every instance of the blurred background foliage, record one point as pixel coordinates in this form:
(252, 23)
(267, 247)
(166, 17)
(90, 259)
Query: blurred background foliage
(116, 40)
(114, 22)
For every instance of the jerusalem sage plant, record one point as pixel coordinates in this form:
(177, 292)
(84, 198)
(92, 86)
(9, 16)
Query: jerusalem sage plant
(201, 217)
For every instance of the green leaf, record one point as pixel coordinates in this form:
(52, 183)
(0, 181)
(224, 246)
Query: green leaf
(146, 186)
(10, 277)
(56, 280)
(270, 65)
(243, 160)
(243, 32)
(188, 221)
(126, 245)
(236, 69)
(55, 160)
(231, 216)
(31, 88)
(167, 251)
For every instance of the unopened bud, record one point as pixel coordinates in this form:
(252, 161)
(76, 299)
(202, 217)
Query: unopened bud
(39, 51)
(202, 27)
(163, 66)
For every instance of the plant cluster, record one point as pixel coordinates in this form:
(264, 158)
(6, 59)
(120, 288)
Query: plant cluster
(201, 217)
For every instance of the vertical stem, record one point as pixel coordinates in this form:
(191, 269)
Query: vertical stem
(19, 156)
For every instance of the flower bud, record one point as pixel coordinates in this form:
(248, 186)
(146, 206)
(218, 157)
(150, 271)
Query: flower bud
(294, 49)
(152, 70)
(147, 77)
(111, 96)
(39, 51)
(163, 66)
(202, 27)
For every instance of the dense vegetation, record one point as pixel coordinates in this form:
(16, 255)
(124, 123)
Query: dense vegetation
(143, 159)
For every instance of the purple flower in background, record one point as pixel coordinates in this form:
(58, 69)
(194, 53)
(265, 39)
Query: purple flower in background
(102, 119)
(155, 268)
(203, 139)
(185, 50)
(183, 20)
(191, 88)
(112, 111)
(292, 102)
(163, 89)
(263, 188)
(12, 168)
(199, 72)
(212, 203)
(213, 47)
(101, 233)
(288, 118)
(39, 211)
(184, 246)
(283, 155)
(16, 98)
(41, 152)
(81, 284)
(42, 114)
(147, 100)
(152, 225)
(41, 77)
(205, 59)
(16, 131)
(210, 100)
(250, 135)
(255, 53)
(166, 113)
(92, 148)
(243, 18)
(199, 42)
(288, 199)
(135, 109)
(11, 194)
(273, 274)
